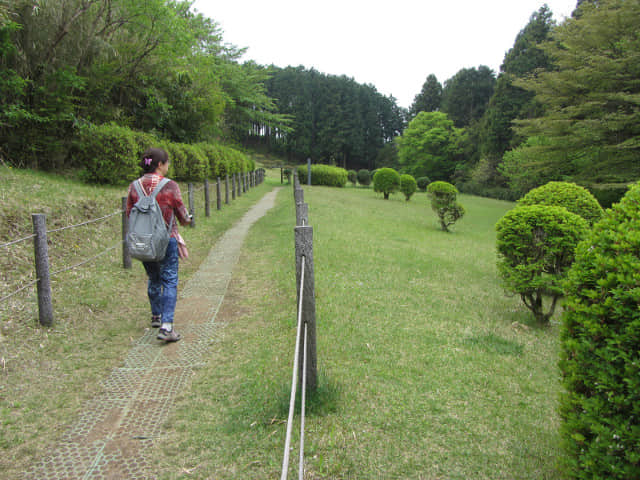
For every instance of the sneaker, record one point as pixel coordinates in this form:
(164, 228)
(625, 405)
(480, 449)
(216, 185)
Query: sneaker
(156, 321)
(167, 336)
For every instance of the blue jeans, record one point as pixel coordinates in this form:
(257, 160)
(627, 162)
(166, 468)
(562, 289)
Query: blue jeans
(163, 283)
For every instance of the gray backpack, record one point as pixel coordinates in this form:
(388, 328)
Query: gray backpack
(148, 235)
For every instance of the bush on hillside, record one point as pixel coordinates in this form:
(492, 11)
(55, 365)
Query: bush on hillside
(573, 197)
(386, 181)
(423, 183)
(408, 186)
(600, 358)
(536, 246)
(443, 198)
(364, 177)
(109, 153)
(326, 175)
(352, 176)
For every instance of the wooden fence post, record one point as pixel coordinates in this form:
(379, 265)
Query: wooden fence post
(218, 195)
(226, 189)
(191, 209)
(239, 188)
(304, 249)
(298, 195)
(207, 207)
(233, 186)
(126, 255)
(41, 249)
(302, 214)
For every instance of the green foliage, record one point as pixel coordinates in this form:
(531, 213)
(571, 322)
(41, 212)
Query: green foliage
(430, 146)
(536, 246)
(386, 181)
(600, 358)
(531, 165)
(364, 177)
(465, 96)
(408, 186)
(429, 98)
(352, 176)
(423, 183)
(189, 163)
(332, 117)
(151, 66)
(573, 197)
(326, 175)
(608, 194)
(109, 154)
(590, 97)
(443, 197)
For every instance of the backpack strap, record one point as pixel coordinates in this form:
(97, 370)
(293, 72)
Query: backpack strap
(155, 192)
(138, 186)
(161, 184)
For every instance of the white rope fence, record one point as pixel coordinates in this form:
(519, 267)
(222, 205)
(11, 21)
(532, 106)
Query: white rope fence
(306, 328)
(292, 400)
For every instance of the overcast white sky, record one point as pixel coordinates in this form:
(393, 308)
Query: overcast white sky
(393, 44)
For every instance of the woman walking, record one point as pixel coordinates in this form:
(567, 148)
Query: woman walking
(163, 275)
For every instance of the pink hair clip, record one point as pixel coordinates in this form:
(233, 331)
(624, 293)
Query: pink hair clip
(147, 161)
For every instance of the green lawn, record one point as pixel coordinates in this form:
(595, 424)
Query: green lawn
(427, 369)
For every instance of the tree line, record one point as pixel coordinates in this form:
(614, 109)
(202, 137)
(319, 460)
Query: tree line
(152, 66)
(564, 106)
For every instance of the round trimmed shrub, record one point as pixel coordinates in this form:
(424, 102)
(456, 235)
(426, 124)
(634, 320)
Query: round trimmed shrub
(573, 197)
(423, 183)
(536, 246)
(408, 186)
(386, 181)
(600, 354)
(352, 176)
(364, 177)
(443, 197)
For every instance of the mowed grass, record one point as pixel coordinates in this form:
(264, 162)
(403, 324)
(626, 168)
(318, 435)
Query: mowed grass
(427, 370)
(100, 309)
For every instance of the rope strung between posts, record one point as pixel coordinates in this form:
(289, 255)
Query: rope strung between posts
(119, 212)
(292, 401)
(17, 241)
(30, 284)
(24, 287)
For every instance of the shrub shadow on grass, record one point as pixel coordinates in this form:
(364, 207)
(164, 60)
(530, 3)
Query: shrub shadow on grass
(491, 343)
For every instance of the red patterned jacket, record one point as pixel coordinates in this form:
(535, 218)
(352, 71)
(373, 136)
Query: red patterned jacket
(169, 199)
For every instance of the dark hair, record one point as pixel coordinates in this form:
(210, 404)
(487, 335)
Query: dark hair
(152, 158)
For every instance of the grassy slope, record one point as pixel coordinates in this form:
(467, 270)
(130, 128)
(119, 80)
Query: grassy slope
(427, 369)
(100, 308)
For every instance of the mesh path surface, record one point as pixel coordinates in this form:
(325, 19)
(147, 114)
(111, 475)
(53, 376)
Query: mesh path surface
(114, 431)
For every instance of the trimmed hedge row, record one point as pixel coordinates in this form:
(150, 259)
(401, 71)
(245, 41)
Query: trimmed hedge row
(111, 154)
(325, 175)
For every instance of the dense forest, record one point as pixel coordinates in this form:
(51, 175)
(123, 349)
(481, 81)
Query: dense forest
(564, 105)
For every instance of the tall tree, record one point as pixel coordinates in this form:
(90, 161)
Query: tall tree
(429, 98)
(591, 121)
(465, 96)
(430, 146)
(509, 101)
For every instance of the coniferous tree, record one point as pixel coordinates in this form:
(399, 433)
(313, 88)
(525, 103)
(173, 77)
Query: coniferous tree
(429, 98)
(591, 120)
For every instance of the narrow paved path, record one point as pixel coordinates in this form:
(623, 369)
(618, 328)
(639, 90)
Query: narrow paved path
(114, 433)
